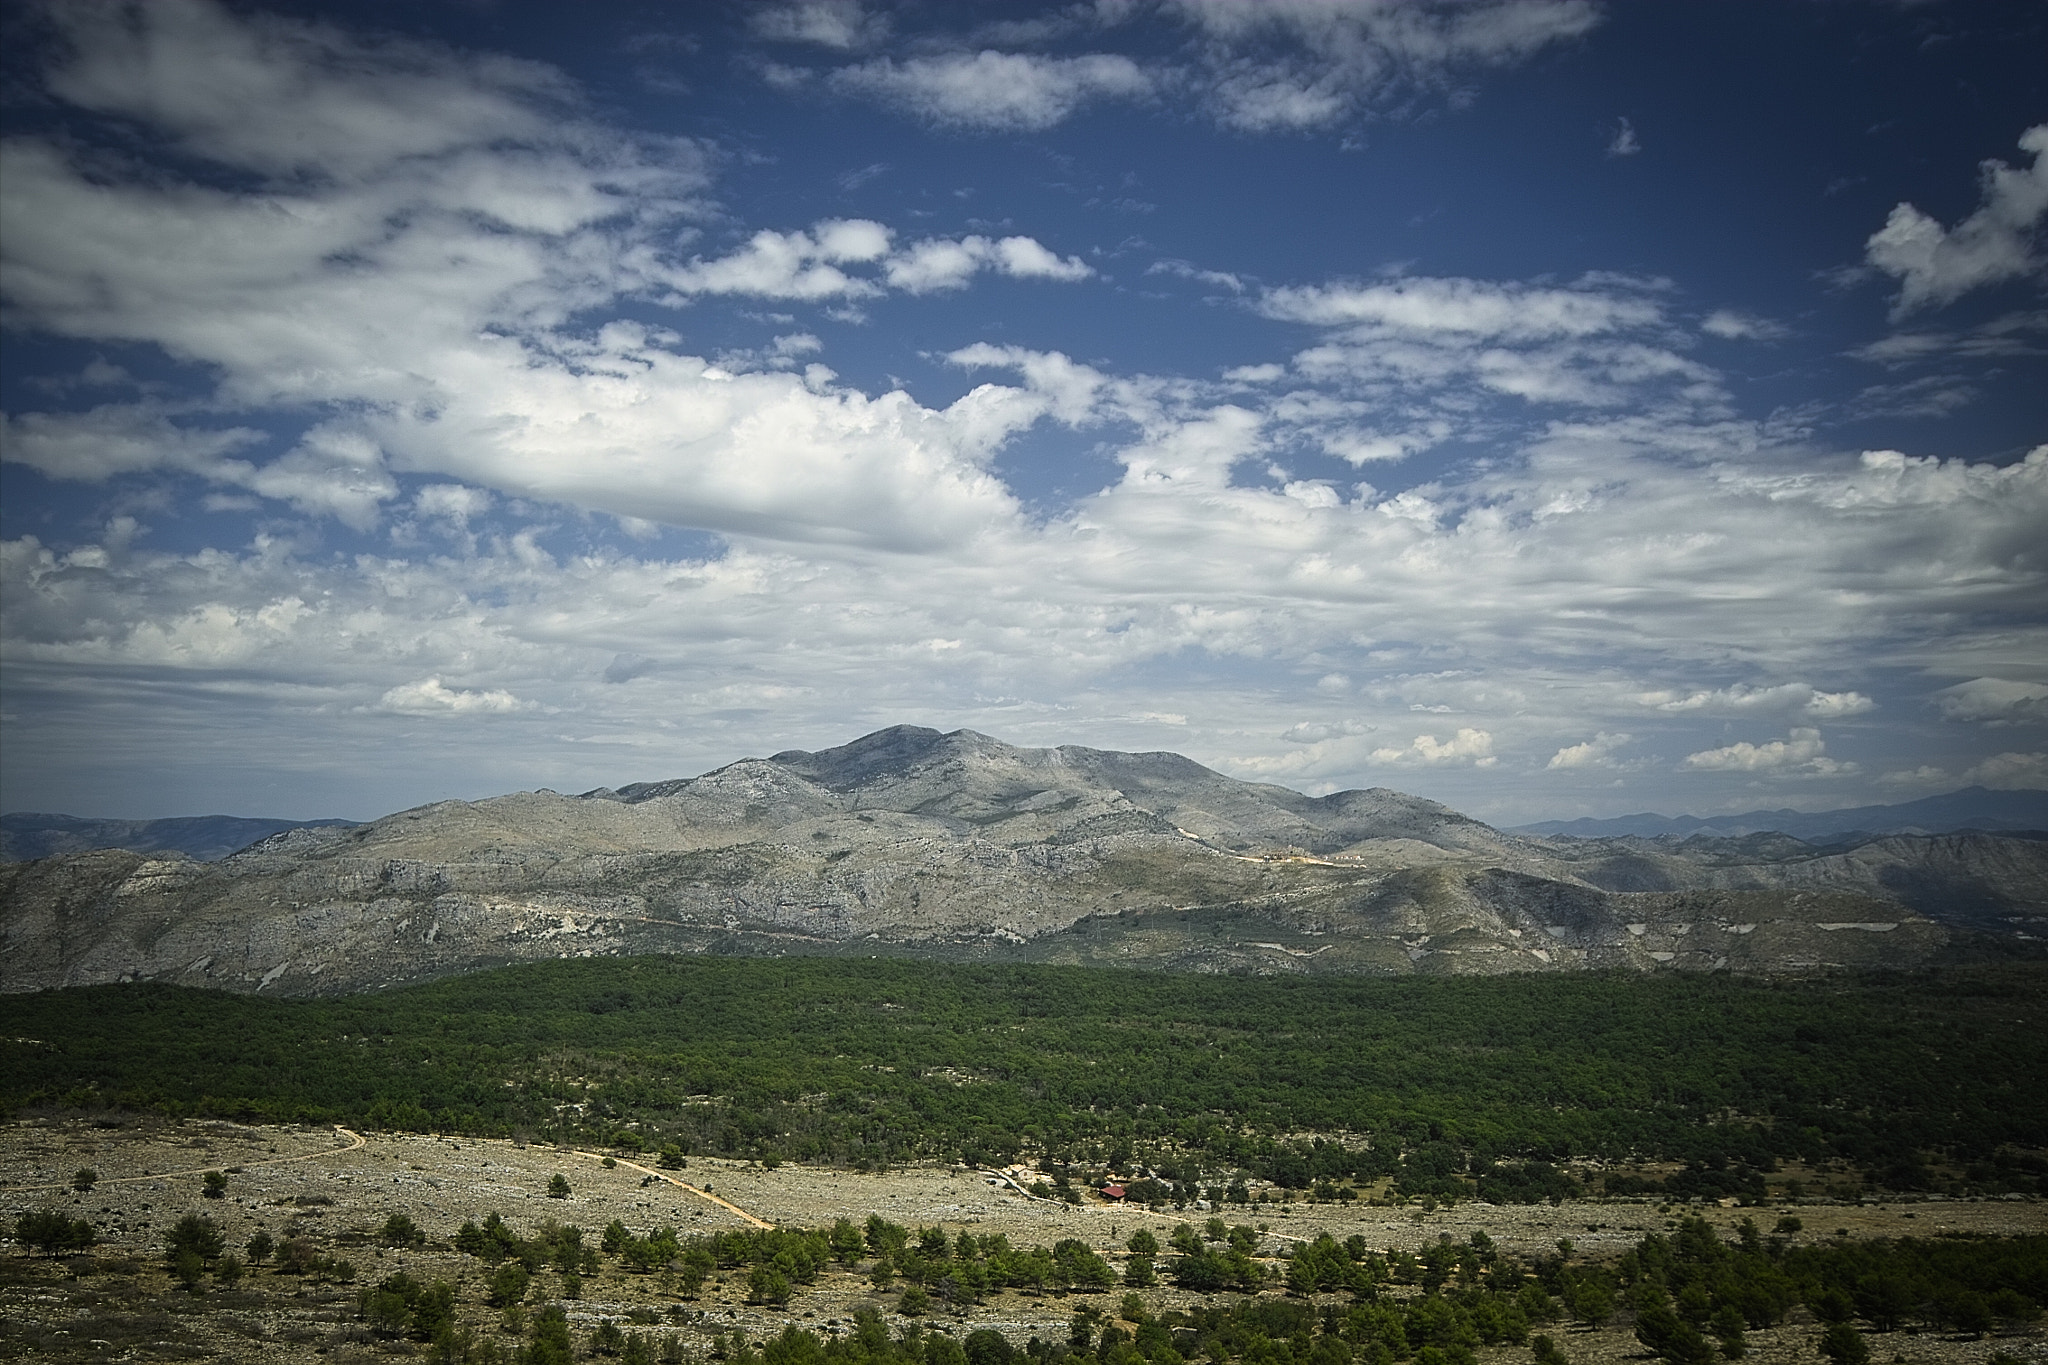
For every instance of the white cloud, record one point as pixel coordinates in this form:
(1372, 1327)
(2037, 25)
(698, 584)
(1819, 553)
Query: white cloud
(2017, 333)
(2010, 771)
(330, 104)
(1597, 752)
(1601, 342)
(1468, 746)
(1279, 65)
(451, 501)
(1796, 699)
(120, 438)
(1187, 270)
(791, 265)
(1997, 701)
(937, 263)
(336, 470)
(1802, 751)
(1477, 309)
(1315, 731)
(992, 90)
(1267, 373)
(1261, 67)
(432, 697)
(1730, 325)
(839, 24)
(806, 265)
(1926, 777)
(1936, 265)
(440, 313)
(1624, 142)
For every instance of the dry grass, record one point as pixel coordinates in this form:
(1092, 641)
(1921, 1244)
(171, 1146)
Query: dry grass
(120, 1304)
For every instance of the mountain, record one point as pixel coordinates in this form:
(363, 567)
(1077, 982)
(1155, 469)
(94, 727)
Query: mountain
(909, 841)
(25, 836)
(1973, 808)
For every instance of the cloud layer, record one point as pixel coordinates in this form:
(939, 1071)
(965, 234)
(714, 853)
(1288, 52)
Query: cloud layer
(444, 315)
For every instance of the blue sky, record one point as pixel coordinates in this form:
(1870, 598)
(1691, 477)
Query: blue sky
(1550, 407)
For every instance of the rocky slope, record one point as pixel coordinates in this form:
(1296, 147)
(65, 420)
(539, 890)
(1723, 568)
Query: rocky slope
(909, 840)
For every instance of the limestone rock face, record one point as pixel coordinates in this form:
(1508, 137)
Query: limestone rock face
(957, 845)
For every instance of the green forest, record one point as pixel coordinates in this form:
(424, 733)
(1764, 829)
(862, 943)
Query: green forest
(1449, 1086)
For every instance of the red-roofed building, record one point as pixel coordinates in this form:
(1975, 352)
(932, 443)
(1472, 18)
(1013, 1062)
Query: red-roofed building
(1112, 1191)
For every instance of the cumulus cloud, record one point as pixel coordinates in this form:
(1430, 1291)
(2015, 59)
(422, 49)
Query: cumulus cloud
(1994, 701)
(423, 289)
(1935, 265)
(2010, 771)
(938, 263)
(432, 697)
(451, 501)
(1597, 752)
(791, 265)
(1468, 747)
(1797, 699)
(1801, 751)
(807, 265)
(992, 90)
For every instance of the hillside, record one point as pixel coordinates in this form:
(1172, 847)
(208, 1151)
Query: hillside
(909, 841)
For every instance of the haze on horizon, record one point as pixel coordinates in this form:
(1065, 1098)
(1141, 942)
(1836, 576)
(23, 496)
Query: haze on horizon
(1550, 408)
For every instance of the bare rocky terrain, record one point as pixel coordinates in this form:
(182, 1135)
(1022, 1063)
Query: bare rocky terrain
(956, 845)
(119, 1303)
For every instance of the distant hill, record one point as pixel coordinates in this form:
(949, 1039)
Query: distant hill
(1973, 808)
(25, 836)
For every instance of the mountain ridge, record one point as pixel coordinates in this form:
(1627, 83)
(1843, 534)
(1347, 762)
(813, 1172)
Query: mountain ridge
(1979, 808)
(910, 841)
(28, 835)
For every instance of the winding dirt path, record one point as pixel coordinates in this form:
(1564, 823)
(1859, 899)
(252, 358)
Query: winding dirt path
(355, 1140)
(704, 1194)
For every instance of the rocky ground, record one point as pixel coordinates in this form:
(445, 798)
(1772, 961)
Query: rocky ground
(119, 1303)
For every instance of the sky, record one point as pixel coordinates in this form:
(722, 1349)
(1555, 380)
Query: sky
(1549, 407)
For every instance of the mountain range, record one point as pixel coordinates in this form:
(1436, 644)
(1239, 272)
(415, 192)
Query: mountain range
(26, 836)
(1973, 808)
(909, 841)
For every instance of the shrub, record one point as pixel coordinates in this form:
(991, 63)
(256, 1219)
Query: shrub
(400, 1231)
(197, 1233)
(51, 1232)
